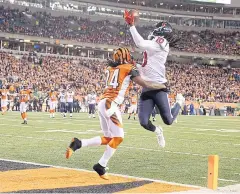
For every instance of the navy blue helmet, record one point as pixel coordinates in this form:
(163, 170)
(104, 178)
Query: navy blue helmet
(165, 30)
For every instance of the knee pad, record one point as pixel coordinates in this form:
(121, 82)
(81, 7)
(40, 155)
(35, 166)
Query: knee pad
(105, 140)
(115, 142)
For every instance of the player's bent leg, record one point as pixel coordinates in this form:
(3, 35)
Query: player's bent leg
(145, 107)
(101, 166)
(168, 115)
(77, 144)
(116, 130)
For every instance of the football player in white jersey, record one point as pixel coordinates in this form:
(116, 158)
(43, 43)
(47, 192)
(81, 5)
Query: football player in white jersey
(91, 99)
(62, 98)
(70, 95)
(156, 50)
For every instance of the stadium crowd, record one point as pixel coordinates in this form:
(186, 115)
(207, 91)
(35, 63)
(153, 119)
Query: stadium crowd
(102, 32)
(196, 82)
(182, 6)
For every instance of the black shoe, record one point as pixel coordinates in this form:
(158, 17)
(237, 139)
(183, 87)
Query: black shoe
(24, 122)
(101, 171)
(134, 118)
(129, 118)
(74, 145)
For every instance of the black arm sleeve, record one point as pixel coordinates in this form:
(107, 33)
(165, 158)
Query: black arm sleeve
(134, 72)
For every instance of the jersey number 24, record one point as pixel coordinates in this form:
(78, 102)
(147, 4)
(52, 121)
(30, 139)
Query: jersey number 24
(112, 78)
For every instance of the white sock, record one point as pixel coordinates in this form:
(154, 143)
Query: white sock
(70, 114)
(95, 141)
(53, 115)
(106, 156)
(158, 130)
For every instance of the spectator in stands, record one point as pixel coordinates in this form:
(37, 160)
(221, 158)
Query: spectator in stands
(105, 32)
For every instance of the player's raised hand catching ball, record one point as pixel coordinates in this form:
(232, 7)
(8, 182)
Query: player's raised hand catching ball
(131, 17)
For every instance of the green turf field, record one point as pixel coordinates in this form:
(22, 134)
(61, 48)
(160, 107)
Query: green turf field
(183, 160)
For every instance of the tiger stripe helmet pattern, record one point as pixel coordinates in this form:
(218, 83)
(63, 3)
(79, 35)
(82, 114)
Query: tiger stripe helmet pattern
(122, 56)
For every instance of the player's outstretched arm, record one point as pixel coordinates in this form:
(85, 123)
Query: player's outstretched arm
(148, 84)
(140, 42)
(138, 39)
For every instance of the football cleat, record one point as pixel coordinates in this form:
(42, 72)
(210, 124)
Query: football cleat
(24, 122)
(160, 137)
(74, 145)
(101, 171)
(180, 100)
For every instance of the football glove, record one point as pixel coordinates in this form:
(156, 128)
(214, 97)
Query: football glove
(128, 17)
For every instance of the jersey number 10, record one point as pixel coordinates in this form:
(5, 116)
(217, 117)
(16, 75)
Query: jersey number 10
(112, 78)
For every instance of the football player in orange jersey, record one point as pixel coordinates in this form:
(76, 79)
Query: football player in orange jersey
(4, 93)
(133, 107)
(119, 75)
(52, 102)
(25, 96)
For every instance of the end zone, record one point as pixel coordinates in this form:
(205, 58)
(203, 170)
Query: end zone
(29, 177)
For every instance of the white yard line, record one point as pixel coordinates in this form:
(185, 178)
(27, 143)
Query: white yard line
(126, 147)
(225, 180)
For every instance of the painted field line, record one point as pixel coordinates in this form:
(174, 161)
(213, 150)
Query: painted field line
(113, 174)
(225, 180)
(219, 119)
(91, 131)
(189, 140)
(168, 131)
(197, 133)
(78, 119)
(126, 147)
(56, 121)
(70, 131)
